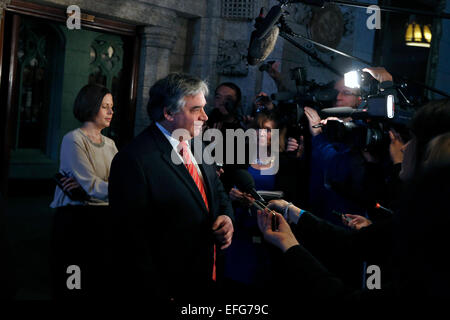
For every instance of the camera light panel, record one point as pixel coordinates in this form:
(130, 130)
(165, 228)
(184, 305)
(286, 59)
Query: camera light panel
(390, 106)
(352, 79)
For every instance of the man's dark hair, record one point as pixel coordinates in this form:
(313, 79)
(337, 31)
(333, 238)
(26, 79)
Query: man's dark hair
(170, 91)
(88, 102)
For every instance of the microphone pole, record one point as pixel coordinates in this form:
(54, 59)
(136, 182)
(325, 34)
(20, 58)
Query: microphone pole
(310, 53)
(363, 5)
(285, 30)
(286, 33)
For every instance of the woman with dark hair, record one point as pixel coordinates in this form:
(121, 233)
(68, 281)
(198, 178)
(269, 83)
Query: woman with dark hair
(85, 159)
(86, 154)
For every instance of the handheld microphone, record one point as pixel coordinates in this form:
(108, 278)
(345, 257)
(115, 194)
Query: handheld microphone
(262, 207)
(244, 181)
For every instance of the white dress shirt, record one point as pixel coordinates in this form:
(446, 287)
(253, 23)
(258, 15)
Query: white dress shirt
(174, 142)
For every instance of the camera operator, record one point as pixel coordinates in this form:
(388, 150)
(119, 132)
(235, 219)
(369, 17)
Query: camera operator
(344, 177)
(226, 114)
(341, 174)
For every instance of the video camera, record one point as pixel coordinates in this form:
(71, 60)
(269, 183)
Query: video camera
(379, 111)
(308, 93)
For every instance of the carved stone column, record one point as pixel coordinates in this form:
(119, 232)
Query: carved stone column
(157, 44)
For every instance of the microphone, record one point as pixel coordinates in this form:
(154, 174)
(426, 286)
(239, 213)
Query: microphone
(259, 50)
(264, 37)
(318, 3)
(244, 181)
(266, 25)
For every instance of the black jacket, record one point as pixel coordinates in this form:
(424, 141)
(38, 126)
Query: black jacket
(164, 241)
(322, 243)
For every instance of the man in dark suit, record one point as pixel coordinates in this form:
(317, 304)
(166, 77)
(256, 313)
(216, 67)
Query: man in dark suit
(171, 210)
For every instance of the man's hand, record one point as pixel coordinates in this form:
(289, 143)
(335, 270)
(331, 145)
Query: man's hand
(314, 119)
(219, 172)
(273, 71)
(223, 230)
(283, 237)
(379, 73)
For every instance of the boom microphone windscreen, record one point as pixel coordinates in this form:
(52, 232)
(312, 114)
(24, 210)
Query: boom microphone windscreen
(260, 49)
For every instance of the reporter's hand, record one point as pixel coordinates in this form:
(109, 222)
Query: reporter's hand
(357, 221)
(379, 73)
(314, 119)
(277, 205)
(223, 231)
(292, 145)
(324, 122)
(283, 237)
(243, 198)
(396, 147)
(273, 71)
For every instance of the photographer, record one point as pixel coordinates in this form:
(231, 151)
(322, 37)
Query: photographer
(227, 112)
(261, 103)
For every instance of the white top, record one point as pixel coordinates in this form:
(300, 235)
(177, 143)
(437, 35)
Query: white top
(174, 142)
(89, 163)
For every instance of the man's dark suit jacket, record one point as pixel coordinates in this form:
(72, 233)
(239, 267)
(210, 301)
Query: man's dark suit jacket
(163, 231)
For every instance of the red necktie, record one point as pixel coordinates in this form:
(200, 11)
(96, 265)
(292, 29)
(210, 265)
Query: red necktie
(184, 152)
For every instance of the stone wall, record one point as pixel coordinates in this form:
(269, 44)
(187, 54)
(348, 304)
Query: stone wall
(192, 36)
